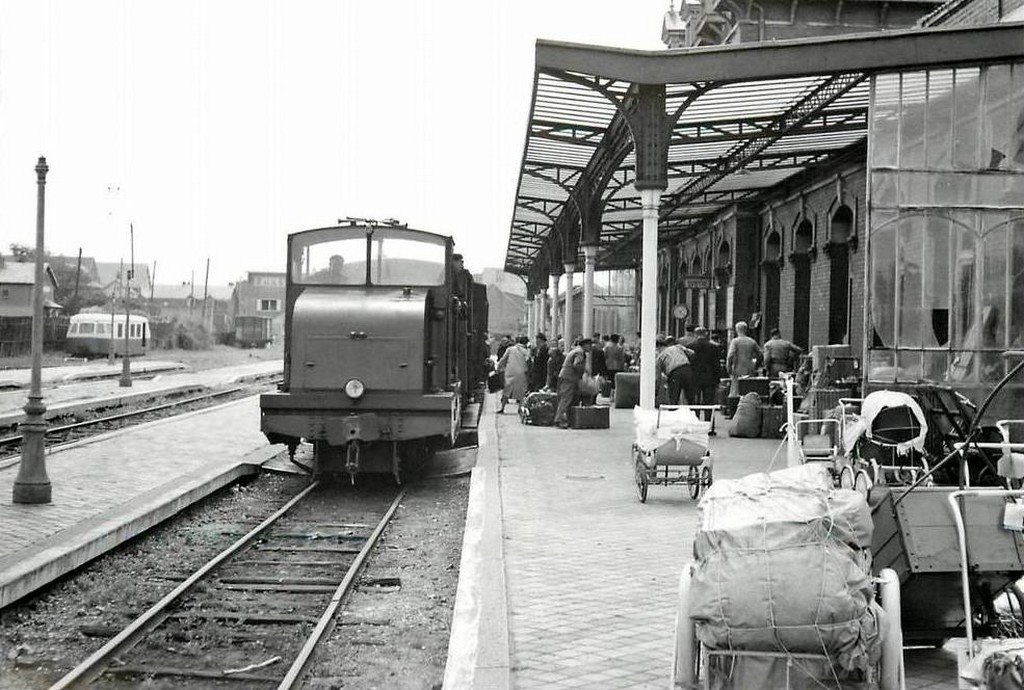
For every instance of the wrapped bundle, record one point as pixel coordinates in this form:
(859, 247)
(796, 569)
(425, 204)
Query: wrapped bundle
(670, 435)
(783, 566)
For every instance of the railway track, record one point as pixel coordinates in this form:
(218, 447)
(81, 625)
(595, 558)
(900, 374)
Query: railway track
(254, 614)
(58, 436)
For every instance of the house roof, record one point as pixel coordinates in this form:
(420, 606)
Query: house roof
(22, 273)
(109, 272)
(182, 291)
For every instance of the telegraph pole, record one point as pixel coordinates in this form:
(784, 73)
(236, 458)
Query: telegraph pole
(78, 276)
(126, 362)
(32, 485)
(206, 288)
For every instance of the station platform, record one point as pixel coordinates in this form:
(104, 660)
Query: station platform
(113, 486)
(21, 378)
(67, 398)
(567, 579)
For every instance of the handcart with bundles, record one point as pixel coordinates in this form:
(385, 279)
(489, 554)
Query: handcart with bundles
(671, 447)
(886, 438)
(781, 592)
(958, 549)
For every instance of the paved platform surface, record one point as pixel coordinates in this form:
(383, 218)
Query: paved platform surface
(61, 397)
(21, 378)
(107, 488)
(592, 574)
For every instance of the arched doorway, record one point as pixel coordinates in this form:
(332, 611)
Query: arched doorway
(723, 270)
(839, 276)
(802, 284)
(772, 263)
(695, 270)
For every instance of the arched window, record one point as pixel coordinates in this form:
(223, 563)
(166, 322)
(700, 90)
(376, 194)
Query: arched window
(802, 240)
(840, 231)
(772, 266)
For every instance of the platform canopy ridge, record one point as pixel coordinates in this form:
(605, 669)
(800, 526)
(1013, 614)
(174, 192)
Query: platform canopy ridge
(738, 121)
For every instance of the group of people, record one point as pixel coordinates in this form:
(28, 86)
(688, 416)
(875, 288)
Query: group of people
(689, 368)
(554, 367)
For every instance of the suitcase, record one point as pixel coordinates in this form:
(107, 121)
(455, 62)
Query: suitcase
(538, 409)
(589, 417)
(627, 390)
(495, 381)
(753, 384)
(606, 387)
(772, 419)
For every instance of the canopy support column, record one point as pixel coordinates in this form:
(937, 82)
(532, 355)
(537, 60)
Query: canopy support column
(542, 312)
(529, 315)
(589, 258)
(650, 200)
(554, 304)
(567, 317)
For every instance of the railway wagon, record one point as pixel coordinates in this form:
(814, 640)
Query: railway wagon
(384, 348)
(89, 335)
(253, 331)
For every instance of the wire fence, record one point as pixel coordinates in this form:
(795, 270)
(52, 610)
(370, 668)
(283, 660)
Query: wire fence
(16, 334)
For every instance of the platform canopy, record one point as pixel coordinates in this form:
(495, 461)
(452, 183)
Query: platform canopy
(713, 126)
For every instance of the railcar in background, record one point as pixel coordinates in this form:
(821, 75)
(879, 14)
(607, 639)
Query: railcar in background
(253, 331)
(89, 335)
(384, 348)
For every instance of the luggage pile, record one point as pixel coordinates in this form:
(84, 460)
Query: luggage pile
(538, 408)
(783, 566)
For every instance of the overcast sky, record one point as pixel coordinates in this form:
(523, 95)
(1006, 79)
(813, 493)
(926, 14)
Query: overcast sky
(227, 125)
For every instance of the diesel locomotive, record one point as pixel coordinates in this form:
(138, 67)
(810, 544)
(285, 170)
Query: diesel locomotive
(384, 347)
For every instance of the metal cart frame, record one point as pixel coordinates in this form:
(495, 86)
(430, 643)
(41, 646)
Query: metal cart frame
(667, 465)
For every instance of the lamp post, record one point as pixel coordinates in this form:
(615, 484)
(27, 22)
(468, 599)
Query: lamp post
(126, 361)
(32, 485)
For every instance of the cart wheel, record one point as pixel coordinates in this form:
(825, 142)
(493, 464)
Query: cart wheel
(906, 476)
(846, 477)
(862, 484)
(877, 473)
(706, 478)
(686, 655)
(640, 472)
(693, 481)
(892, 671)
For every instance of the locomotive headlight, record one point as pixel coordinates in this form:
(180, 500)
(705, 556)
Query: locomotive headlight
(354, 389)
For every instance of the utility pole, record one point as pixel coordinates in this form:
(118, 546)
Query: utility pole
(78, 276)
(191, 291)
(126, 362)
(206, 288)
(152, 286)
(114, 289)
(32, 485)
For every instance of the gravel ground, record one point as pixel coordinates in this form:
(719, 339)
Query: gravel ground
(398, 637)
(197, 360)
(389, 638)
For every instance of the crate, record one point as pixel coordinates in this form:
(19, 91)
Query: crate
(589, 417)
(772, 419)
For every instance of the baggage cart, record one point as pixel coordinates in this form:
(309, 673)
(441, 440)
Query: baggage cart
(672, 450)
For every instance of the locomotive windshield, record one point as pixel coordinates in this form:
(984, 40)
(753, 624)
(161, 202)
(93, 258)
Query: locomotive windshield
(355, 256)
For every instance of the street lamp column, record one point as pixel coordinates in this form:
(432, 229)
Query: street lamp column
(32, 485)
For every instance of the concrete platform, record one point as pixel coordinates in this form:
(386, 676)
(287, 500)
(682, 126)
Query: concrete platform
(73, 397)
(21, 378)
(108, 488)
(567, 580)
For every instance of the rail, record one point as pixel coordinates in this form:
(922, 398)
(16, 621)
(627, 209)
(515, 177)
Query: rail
(96, 665)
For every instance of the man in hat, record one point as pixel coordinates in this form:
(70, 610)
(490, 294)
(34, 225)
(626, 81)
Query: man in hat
(569, 377)
(539, 368)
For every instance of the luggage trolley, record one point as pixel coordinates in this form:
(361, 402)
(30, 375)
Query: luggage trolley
(672, 448)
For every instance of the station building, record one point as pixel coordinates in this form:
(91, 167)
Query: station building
(862, 184)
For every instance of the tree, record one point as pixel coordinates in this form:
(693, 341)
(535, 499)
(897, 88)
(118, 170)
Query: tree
(66, 273)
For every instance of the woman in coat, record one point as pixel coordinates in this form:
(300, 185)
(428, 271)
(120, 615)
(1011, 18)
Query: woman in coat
(515, 362)
(743, 359)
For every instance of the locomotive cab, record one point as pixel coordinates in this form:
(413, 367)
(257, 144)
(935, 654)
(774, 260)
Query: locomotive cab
(376, 368)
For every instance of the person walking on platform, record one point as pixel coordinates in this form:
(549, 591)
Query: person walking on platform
(743, 358)
(556, 356)
(539, 367)
(779, 354)
(614, 358)
(569, 377)
(673, 363)
(515, 363)
(598, 365)
(707, 369)
(506, 343)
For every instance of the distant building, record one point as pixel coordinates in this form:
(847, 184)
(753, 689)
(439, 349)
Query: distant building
(261, 294)
(506, 282)
(106, 276)
(184, 303)
(16, 281)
